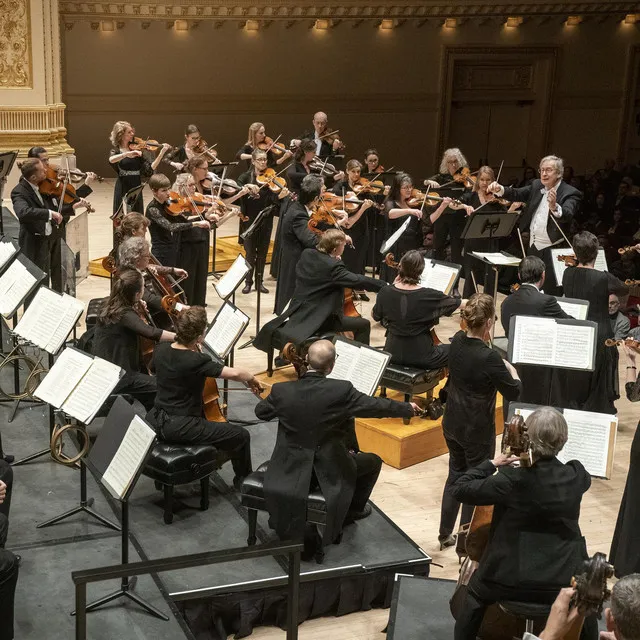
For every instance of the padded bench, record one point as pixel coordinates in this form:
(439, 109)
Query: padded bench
(530, 612)
(174, 464)
(413, 382)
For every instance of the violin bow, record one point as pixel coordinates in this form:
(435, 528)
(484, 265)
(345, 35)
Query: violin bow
(273, 143)
(500, 171)
(270, 180)
(330, 133)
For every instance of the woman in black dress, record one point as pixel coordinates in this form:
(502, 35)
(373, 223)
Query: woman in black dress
(396, 210)
(130, 165)
(119, 332)
(589, 390)
(625, 547)
(178, 414)
(180, 155)
(476, 374)
(409, 311)
(255, 137)
(300, 168)
(358, 221)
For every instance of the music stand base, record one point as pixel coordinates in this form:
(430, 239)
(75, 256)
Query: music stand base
(248, 343)
(33, 456)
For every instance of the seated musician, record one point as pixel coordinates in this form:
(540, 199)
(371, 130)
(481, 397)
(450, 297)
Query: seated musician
(409, 311)
(535, 544)
(135, 253)
(9, 562)
(178, 414)
(317, 303)
(118, 335)
(317, 446)
(133, 225)
(165, 229)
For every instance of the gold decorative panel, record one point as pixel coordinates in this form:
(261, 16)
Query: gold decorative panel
(15, 45)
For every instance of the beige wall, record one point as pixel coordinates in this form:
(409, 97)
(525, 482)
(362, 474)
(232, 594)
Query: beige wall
(379, 88)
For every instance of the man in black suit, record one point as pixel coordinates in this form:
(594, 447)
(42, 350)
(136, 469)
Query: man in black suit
(325, 149)
(9, 562)
(38, 216)
(550, 205)
(317, 446)
(318, 300)
(529, 300)
(535, 543)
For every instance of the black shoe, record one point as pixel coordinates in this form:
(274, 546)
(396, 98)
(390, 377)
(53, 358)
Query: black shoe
(363, 296)
(352, 516)
(263, 289)
(247, 288)
(8, 458)
(447, 541)
(280, 362)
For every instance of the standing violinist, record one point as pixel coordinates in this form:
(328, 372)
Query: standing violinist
(396, 209)
(301, 166)
(372, 162)
(165, 228)
(326, 145)
(256, 245)
(179, 156)
(178, 414)
(358, 221)
(119, 332)
(83, 190)
(38, 214)
(130, 165)
(256, 140)
(451, 225)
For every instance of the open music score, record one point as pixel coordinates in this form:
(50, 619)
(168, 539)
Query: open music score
(440, 276)
(592, 437)
(497, 258)
(79, 384)
(388, 244)
(225, 330)
(49, 319)
(576, 308)
(232, 277)
(547, 342)
(361, 365)
(7, 250)
(559, 266)
(15, 285)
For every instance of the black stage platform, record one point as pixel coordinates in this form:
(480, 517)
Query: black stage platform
(215, 601)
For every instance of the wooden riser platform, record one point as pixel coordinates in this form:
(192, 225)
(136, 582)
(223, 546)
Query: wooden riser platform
(399, 445)
(227, 250)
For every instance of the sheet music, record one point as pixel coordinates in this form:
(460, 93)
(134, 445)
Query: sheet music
(497, 258)
(589, 437)
(232, 277)
(394, 238)
(15, 284)
(574, 346)
(559, 266)
(346, 356)
(92, 391)
(226, 329)
(7, 251)
(533, 340)
(361, 365)
(129, 457)
(63, 377)
(438, 276)
(72, 311)
(575, 310)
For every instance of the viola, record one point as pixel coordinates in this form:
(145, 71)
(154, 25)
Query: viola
(276, 148)
(53, 186)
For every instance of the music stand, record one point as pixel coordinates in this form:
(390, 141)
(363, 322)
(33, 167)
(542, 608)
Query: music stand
(7, 158)
(258, 267)
(489, 226)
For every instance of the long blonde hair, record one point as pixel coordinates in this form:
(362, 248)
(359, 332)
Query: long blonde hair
(481, 170)
(118, 131)
(253, 134)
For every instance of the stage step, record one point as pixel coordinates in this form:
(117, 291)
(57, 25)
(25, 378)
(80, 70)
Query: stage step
(227, 250)
(399, 445)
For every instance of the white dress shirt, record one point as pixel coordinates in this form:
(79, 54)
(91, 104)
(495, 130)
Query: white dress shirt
(47, 227)
(539, 236)
(318, 142)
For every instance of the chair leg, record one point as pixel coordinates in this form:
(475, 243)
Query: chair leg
(253, 524)
(270, 362)
(383, 392)
(407, 398)
(204, 493)
(168, 503)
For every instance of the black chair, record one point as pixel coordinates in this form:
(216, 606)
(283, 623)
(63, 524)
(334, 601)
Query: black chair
(296, 354)
(412, 381)
(174, 464)
(530, 612)
(252, 497)
(93, 310)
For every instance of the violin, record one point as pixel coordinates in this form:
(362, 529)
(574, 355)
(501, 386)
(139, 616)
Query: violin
(53, 186)
(75, 175)
(418, 199)
(629, 249)
(195, 204)
(201, 148)
(368, 186)
(229, 187)
(627, 342)
(324, 168)
(331, 135)
(569, 260)
(349, 203)
(276, 148)
(139, 144)
(273, 181)
(465, 177)
(631, 283)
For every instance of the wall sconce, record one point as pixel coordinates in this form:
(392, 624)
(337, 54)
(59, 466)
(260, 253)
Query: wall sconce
(451, 23)
(107, 25)
(573, 21)
(322, 24)
(631, 18)
(513, 21)
(251, 25)
(181, 25)
(387, 23)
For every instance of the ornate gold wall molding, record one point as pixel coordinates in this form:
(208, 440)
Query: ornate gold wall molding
(16, 71)
(353, 11)
(28, 126)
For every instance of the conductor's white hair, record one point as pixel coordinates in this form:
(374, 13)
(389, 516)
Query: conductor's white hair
(556, 161)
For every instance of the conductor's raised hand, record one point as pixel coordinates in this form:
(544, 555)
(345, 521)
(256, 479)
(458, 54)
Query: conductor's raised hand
(496, 187)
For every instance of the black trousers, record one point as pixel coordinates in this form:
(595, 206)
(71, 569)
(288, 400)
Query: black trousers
(194, 258)
(193, 430)
(359, 326)
(256, 247)
(551, 287)
(8, 561)
(449, 225)
(166, 254)
(141, 386)
(462, 457)
(481, 595)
